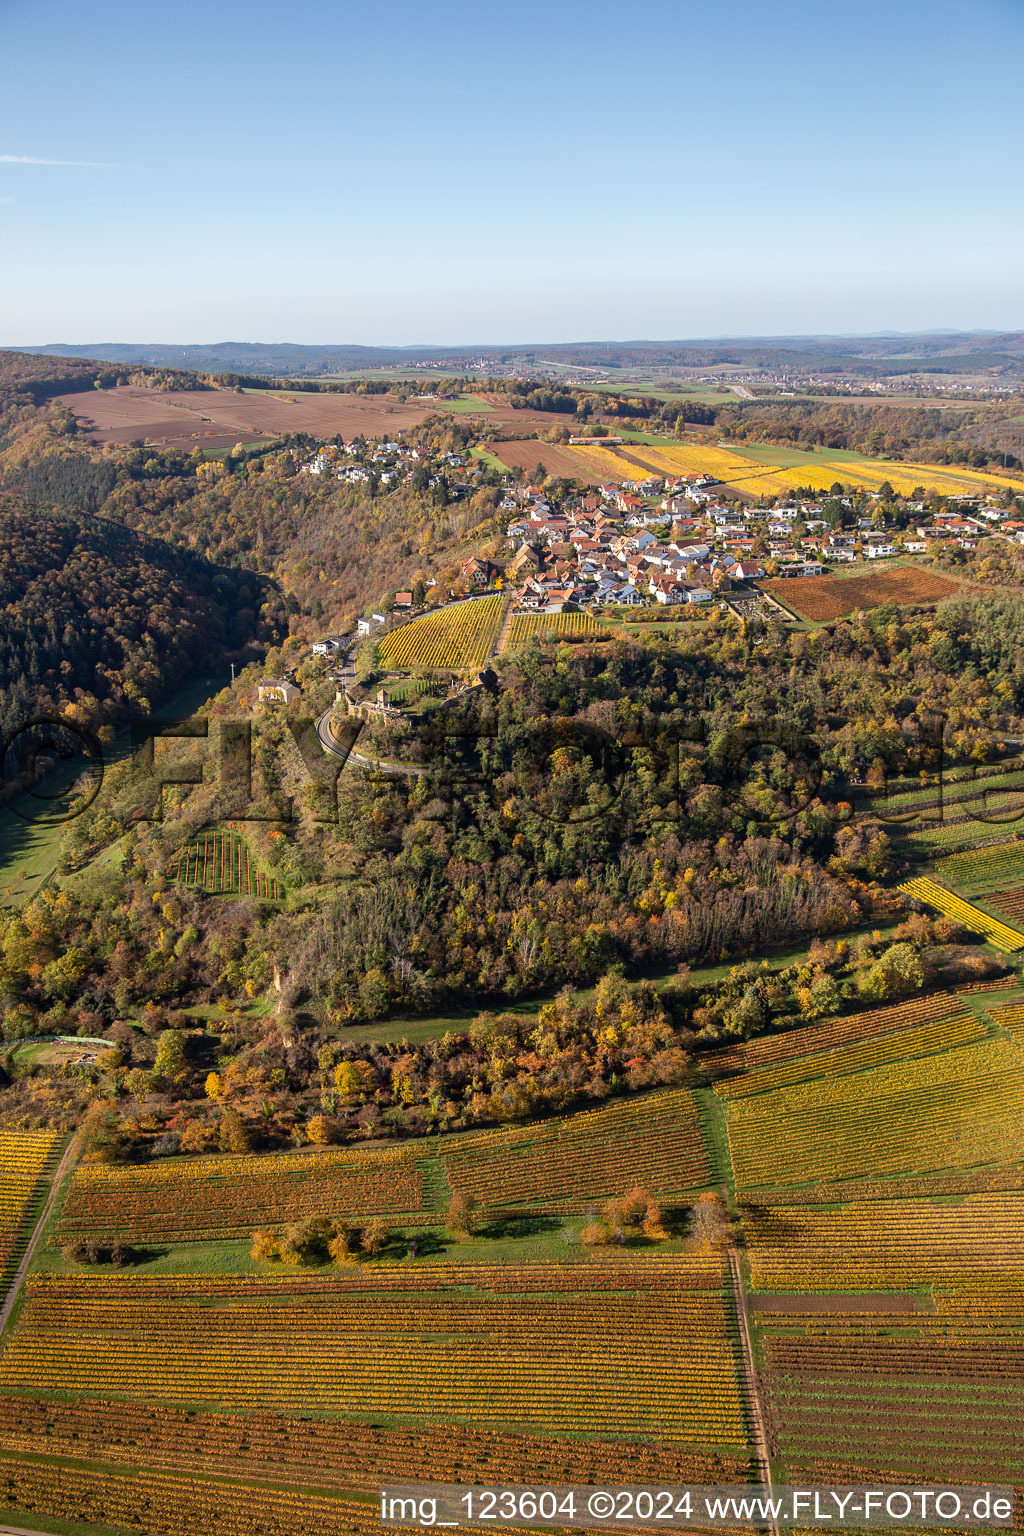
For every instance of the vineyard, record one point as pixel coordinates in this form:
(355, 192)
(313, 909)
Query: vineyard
(845, 1030)
(653, 1140)
(841, 1061)
(201, 1197)
(972, 917)
(761, 477)
(460, 637)
(525, 627)
(956, 1110)
(981, 870)
(26, 1158)
(337, 1454)
(1010, 904)
(652, 1351)
(888, 1244)
(1011, 1019)
(220, 862)
(607, 464)
(561, 1165)
(925, 1395)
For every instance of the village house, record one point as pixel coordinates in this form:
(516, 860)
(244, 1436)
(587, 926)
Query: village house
(276, 691)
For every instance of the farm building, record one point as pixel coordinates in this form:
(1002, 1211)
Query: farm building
(276, 691)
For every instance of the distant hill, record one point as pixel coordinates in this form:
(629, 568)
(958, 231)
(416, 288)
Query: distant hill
(1001, 354)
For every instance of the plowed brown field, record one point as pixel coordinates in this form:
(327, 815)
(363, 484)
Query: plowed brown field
(220, 418)
(528, 453)
(830, 597)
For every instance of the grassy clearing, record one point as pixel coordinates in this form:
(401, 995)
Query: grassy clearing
(489, 460)
(463, 405)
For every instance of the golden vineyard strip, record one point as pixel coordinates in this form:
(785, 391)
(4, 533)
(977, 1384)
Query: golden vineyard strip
(552, 626)
(888, 1244)
(1000, 934)
(459, 636)
(555, 1355)
(958, 1110)
(926, 1039)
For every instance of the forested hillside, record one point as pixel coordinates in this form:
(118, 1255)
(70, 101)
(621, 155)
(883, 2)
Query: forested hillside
(106, 617)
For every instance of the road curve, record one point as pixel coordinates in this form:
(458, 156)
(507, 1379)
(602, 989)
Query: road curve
(330, 743)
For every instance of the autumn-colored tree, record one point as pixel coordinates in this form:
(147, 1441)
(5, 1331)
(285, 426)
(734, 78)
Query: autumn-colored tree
(462, 1215)
(234, 1133)
(352, 1078)
(319, 1131)
(170, 1054)
(709, 1229)
(341, 1246)
(264, 1245)
(213, 1085)
(375, 1237)
(595, 1234)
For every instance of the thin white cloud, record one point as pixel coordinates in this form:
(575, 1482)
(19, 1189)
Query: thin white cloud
(96, 165)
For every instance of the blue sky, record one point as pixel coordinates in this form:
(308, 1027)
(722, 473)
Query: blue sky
(455, 172)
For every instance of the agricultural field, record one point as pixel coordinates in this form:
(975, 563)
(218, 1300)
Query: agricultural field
(219, 418)
(26, 1158)
(808, 1039)
(195, 1198)
(525, 627)
(765, 472)
(558, 1165)
(842, 1060)
(1000, 934)
(820, 598)
(889, 1244)
(981, 870)
(914, 1396)
(461, 636)
(422, 1345)
(959, 1109)
(220, 863)
(609, 464)
(652, 1140)
(184, 1405)
(527, 453)
(697, 459)
(347, 1454)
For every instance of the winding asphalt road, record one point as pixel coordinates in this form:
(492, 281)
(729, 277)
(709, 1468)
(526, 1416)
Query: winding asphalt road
(336, 748)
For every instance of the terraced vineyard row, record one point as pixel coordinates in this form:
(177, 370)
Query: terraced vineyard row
(339, 1454)
(923, 1397)
(202, 1197)
(1010, 904)
(888, 1244)
(525, 627)
(981, 870)
(972, 917)
(653, 1140)
(26, 1157)
(1011, 1019)
(841, 1061)
(167, 1504)
(808, 1038)
(957, 1110)
(460, 636)
(648, 1362)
